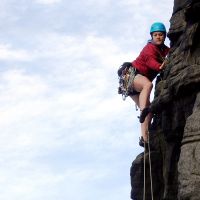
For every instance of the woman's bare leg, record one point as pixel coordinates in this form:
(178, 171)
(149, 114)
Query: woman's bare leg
(144, 125)
(144, 86)
(136, 99)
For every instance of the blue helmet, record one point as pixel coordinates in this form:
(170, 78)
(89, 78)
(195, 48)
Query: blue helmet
(157, 26)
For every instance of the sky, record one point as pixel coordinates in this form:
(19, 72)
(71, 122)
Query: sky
(65, 132)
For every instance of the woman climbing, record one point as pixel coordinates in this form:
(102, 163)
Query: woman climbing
(147, 65)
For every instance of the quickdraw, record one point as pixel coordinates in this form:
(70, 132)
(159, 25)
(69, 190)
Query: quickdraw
(126, 77)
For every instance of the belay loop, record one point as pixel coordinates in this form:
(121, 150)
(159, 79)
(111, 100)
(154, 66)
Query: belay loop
(126, 75)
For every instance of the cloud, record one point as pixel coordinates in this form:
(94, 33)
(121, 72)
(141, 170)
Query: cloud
(7, 52)
(61, 116)
(48, 2)
(36, 109)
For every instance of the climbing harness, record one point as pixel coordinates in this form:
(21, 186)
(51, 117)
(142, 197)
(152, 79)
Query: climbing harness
(126, 74)
(150, 170)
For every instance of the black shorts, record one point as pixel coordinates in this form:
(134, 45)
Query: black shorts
(133, 92)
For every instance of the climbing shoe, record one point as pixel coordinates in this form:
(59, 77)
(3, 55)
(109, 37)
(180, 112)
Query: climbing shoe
(143, 114)
(142, 143)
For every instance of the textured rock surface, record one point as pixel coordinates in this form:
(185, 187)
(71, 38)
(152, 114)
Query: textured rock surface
(189, 162)
(175, 131)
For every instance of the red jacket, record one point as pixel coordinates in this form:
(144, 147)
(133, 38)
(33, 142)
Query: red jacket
(150, 59)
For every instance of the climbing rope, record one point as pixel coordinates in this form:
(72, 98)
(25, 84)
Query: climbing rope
(144, 188)
(150, 170)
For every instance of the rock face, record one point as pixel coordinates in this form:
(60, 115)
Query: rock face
(175, 130)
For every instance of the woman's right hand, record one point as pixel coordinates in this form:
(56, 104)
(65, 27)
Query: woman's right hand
(162, 66)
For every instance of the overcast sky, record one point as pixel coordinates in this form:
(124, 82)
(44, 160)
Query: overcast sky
(65, 132)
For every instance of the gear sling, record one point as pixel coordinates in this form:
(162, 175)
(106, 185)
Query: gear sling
(126, 75)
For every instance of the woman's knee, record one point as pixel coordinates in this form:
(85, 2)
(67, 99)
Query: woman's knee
(148, 86)
(142, 83)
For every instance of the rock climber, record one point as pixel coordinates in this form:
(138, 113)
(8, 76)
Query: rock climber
(147, 65)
